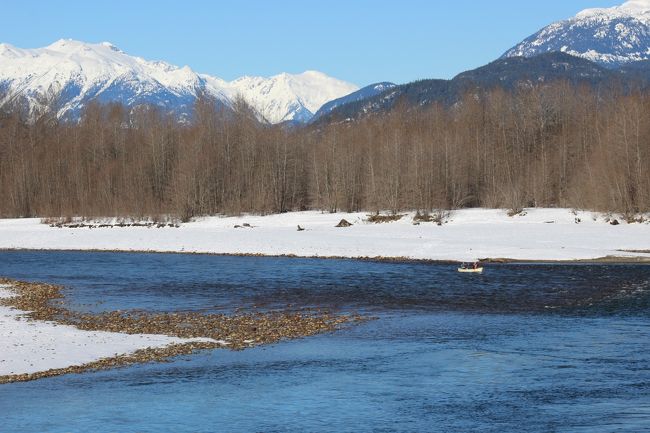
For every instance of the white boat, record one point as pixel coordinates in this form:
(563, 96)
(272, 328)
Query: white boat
(473, 268)
(470, 270)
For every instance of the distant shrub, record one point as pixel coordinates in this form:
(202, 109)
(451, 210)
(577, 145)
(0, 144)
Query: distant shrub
(515, 211)
(441, 216)
(381, 219)
(424, 217)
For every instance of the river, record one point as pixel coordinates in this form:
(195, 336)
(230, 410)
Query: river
(524, 347)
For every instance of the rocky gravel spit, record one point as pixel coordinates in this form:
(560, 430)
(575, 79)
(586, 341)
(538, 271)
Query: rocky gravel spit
(44, 302)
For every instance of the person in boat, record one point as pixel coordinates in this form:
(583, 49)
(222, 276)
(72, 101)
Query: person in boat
(475, 265)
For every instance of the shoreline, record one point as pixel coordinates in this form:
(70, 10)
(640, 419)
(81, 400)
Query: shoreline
(489, 235)
(181, 333)
(380, 259)
(141, 356)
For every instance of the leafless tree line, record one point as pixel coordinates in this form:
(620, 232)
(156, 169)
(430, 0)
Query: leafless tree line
(551, 145)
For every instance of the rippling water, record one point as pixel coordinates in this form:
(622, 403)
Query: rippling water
(521, 348)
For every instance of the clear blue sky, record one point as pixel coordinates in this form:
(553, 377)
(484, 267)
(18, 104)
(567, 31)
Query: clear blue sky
(362, 41)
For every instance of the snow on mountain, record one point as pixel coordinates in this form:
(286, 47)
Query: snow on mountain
(609, 36)
(286, 97)
(76, 73)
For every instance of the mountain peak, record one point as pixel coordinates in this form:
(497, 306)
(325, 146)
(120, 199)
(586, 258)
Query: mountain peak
(636, 6)
(110, 46)
(608, 36)
(82, 72)
(67, 45)
(639, 9)
(312, 73)
(288, 97)
(8, 50)
(70, 46)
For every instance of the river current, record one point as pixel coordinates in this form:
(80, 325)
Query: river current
(524, 347)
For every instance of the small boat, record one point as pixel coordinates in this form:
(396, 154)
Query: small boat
(470, 269)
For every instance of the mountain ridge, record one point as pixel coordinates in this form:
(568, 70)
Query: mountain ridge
(78, 72)
(595, 46)
(507, 73)
(611, 37)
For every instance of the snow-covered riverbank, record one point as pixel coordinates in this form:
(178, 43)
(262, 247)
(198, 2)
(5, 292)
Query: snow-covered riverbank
(32, 346)
(536, 234)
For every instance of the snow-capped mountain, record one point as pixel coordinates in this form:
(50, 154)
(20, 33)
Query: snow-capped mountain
(75, 73)
(285, 97)
(611, 37)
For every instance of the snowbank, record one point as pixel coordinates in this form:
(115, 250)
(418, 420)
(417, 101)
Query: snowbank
(538, 234)
(35, 346)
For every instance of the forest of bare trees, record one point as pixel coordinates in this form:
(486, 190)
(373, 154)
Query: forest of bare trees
(547, 146)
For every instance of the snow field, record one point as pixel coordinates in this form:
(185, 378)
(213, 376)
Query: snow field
(537, 234)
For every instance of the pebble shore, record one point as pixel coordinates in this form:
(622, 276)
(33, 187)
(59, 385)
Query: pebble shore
(44, 302)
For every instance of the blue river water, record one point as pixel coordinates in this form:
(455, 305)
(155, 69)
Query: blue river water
(525, 347)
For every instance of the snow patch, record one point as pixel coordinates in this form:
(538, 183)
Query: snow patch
(34, 346)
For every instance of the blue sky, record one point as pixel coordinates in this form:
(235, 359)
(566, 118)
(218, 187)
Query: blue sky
(362, 41)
